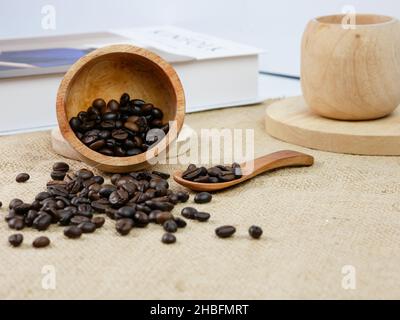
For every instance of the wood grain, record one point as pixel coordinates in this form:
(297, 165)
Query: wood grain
(292, 121)
(354, 73)
(107, 73)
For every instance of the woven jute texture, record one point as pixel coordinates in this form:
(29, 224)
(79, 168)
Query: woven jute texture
(325, 227)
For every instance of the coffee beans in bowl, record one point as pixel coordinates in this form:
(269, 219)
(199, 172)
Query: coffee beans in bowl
(123, 128)
(216, 174)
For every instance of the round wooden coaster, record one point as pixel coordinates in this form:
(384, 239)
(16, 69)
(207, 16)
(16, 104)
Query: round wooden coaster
(291, 120)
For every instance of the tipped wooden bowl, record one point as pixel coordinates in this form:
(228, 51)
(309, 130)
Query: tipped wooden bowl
(107, 73)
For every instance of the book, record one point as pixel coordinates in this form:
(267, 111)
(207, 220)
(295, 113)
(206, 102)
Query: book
(215, 73)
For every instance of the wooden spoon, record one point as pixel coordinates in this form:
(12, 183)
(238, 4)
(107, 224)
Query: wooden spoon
(277, 160)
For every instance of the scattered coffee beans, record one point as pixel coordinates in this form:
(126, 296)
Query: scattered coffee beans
(203, 197)
(168, 238)
(225, 231)
(16, 239)
(41, 242)
(120, 129)
(255, 232)
(22, 177)
(215, 174)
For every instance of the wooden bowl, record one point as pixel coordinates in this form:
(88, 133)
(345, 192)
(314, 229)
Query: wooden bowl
(351, 72)
(107, 73)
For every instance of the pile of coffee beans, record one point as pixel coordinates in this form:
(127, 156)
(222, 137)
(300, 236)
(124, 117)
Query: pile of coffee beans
(120, 129)
(74, 200)
(214, 174)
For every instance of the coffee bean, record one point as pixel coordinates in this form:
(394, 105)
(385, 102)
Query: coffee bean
(1, 204)
(61, 166)
(237, 170)
(87, 227)
(183, 196)
(42, 196)
(255, 232)
(42, 222)
(202, 179)
(23, 208)
(125, 98)
(77, 220)
(73, 232)
(15, 203)
(163, 206)
(189, 213)
(16, 239)
(98, 221)
(168, 238)
(124, 226)
(191, 174)
(162, 175)
(163, 216)
(97, 144)
(113, 105)
(118, 197)
(202, 216)
(22, 177)
(170, 226)
(58, 175)
(41, 242)
(203, 197)
(157, 113)
(141, 219)
(126, 212)
(99, 104)
(180, 222)
(225, 231)
(84, 174)
(65, 218)
(16, 223)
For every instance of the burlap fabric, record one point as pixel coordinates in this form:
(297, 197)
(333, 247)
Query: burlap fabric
(343, 211)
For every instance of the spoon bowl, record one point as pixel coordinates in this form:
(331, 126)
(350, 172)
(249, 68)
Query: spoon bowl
(276, 160)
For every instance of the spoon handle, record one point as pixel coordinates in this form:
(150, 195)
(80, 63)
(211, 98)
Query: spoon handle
(276, 160)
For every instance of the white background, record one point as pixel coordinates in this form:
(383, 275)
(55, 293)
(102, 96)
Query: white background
(274, 25)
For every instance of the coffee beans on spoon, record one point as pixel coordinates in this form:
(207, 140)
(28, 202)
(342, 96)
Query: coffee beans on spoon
(216, 174)
(120, 129)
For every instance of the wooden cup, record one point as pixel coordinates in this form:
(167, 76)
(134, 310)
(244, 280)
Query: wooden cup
(351, 72)
(107, 73)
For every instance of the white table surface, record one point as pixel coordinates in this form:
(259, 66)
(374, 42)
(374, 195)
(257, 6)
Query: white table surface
(43, 117)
